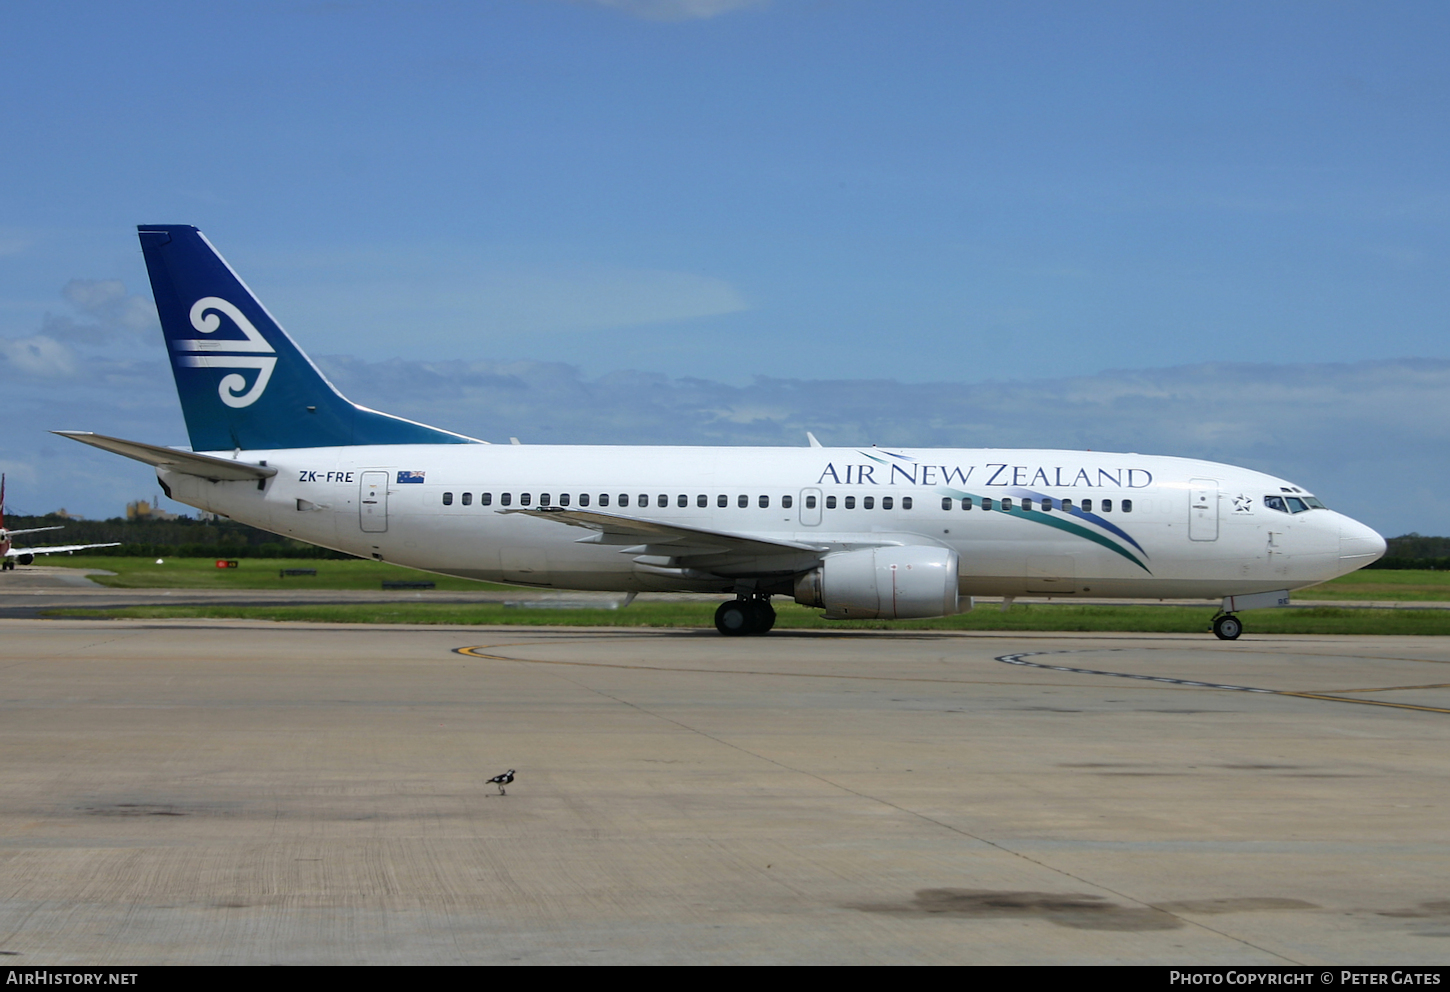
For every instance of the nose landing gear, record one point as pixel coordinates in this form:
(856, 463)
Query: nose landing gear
(744, 617)
(1227, 627)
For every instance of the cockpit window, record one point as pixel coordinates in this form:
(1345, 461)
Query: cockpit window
(1296, 505)
(1275, 503)
(1314, 503)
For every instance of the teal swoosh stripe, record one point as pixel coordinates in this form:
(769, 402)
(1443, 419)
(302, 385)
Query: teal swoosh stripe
(1037, 516)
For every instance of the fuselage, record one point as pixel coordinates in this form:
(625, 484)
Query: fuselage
(1023, 522)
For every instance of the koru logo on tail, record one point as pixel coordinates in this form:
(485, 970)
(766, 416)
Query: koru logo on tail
(219, 353)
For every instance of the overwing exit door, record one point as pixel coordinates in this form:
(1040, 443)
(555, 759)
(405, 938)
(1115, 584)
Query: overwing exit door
(810, 507)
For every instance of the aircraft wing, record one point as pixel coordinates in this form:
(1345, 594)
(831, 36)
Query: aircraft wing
(30, 530)
(186, 462)
(17, 552)
(652, 537)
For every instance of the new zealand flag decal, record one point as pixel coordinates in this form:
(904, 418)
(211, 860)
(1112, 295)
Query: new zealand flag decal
(410, 477)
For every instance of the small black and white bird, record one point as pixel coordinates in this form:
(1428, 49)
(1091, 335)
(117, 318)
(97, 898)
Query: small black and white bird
(502, 780)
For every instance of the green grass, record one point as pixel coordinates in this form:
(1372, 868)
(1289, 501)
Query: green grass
(256, 573)
(261, 573)
(1408, 585)
(1045, 617)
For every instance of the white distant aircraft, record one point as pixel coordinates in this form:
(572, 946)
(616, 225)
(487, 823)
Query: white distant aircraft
(860, 532)
(9, 556)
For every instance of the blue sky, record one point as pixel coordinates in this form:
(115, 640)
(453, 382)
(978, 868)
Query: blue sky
(821, 191)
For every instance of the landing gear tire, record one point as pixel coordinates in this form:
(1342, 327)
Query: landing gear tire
(733, 619)
(1227, 627)
(763, 615)
(744, 617)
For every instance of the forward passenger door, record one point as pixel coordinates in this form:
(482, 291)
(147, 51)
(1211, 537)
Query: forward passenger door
(1203, 510)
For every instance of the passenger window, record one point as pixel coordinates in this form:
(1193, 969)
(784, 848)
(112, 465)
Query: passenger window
(906, 502)
(544, 499)
(1027, 503)
(1127, 505)
(485, 499)
(506, 498)
(868, 503)
(583, 499)
(1105, 506)
(830, 502)
(702, 501)
(643, 500)
(885, 502)
(986, 502)
(1087, 506)
(722, 501)
(447, 499)
(563, 499)
(682, 501)
(742, 502)
(1276, 503)
(850, 502)
(764, 502)
(1047, 504)
(603, 499)
(525, 499)
(662, 500)
(967, 503)
(1067, 506)
(946, 502)
(468, 499)
(788, 501)
(810, 502)
(624, 501)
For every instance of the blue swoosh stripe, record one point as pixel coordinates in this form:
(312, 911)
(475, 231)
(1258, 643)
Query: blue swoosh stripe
(1104, 524)
(1037, 516)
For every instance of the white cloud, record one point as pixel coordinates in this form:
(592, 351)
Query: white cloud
(38, 356)
(108, 301)
(676, 10)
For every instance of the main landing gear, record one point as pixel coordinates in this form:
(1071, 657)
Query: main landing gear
(1227, 627)
(743, 617)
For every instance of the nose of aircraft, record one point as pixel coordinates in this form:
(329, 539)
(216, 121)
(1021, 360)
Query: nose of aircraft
(1359, 545)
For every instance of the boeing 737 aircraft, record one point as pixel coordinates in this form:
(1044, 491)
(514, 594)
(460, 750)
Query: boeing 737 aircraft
(9, 554)
(860, 532)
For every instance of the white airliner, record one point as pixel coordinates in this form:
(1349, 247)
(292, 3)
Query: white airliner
(862, 532)
(10, 555)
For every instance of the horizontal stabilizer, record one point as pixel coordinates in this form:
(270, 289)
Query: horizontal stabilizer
(30, 530)
(57, 549)
(186, 462)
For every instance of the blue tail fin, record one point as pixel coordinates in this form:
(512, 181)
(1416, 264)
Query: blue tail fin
(243, 382)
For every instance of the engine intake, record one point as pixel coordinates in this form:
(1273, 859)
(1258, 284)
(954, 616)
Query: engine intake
(883, 584)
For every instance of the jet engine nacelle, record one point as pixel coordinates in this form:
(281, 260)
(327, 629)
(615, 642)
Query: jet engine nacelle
(25, 559)
(883, 583)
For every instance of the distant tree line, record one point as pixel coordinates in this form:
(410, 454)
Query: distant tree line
(1416, 551)
(179, 538)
